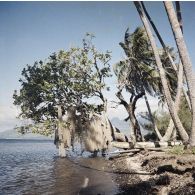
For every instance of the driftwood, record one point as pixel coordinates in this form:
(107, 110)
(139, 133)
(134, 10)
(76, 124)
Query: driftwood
(123, 145)
(145, 145)
(121, 155)
(125, 151)
(156, 144)
(157, 149)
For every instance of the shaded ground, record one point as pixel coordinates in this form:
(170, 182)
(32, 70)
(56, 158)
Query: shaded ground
(156, 173)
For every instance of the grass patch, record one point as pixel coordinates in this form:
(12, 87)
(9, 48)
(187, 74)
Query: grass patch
(190, 150)
(179, 150)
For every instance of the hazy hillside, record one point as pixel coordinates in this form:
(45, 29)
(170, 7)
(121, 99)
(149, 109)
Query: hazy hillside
(13, 134)
(121, 125)
(125, 126)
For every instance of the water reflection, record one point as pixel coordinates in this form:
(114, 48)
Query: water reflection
(82, 176)
(34, 168)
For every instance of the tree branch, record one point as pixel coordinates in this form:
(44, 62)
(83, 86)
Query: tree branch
(136, 98)
(121, 98)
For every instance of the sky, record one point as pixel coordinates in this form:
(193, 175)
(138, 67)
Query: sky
(32, 31)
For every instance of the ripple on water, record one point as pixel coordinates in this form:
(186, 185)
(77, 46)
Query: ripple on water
(31, 167)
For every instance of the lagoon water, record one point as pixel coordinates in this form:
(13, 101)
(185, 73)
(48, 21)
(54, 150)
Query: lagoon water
(32, 167)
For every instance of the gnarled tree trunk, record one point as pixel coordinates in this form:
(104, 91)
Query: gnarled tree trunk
(135, 133)
(60, 143)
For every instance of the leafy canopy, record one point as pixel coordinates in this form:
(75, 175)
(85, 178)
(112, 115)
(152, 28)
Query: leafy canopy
(138, 72)
(66, 78)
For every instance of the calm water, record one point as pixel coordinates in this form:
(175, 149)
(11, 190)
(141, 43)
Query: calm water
(32, 167)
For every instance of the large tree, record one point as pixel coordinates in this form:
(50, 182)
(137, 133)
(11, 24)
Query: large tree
(63, 83)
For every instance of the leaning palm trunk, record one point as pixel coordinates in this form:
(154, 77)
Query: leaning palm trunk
(155, 128)
(170, 128)
(166, 90)
(185, 58)
(179, 17)
(165, 48)
(169, 131)
(180, 87)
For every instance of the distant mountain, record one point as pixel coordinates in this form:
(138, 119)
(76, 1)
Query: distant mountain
(121, 125)
(13, 134)
(124, 126)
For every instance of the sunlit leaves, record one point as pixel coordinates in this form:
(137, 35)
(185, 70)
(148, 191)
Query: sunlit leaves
(65, 78)
(138, 71)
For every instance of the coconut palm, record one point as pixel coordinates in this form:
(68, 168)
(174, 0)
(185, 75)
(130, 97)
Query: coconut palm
(130, 74)
(162, 73)
(170, 128)
(164, 45)
(179, 17)
(185, 58)
(139, 76)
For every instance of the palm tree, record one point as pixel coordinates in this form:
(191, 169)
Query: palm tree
(163, 44)
(138, 75)
(179, 17)
(170, 128)
(131, 75)
(162, 73)
(185, 58)
(138, 72)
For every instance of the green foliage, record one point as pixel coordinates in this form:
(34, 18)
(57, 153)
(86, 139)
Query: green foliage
(134, 72)
(178, 150)
(138, 72)
(44, 128)
(193, 150)
(185, 115)
(67, 78)
(162, 118)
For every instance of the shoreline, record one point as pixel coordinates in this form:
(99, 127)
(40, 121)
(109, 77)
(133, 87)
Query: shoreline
(156, 173)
